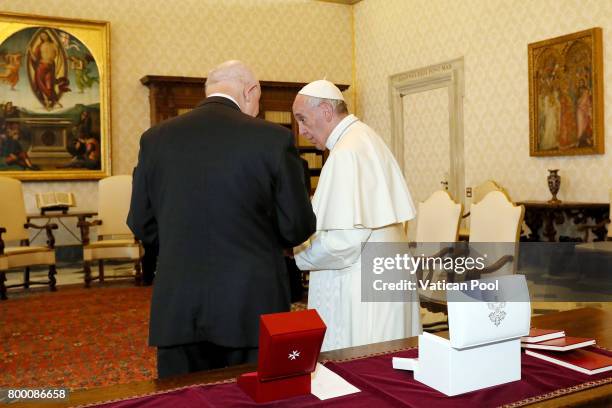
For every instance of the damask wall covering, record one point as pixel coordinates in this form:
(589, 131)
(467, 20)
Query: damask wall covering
(283, 40)
(393, 36)
(302, 40)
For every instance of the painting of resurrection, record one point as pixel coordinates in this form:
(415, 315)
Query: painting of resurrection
(54, 100)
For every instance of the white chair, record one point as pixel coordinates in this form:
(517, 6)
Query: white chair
(478, 193)
(438, 220)
(481, 190)
(115, 240)
(495, 219)
(14, 225)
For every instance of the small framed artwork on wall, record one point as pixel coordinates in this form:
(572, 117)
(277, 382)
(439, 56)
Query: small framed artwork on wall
(566, 95)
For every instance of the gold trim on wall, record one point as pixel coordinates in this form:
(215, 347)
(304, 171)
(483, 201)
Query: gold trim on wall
(95, 36)
(566, 103)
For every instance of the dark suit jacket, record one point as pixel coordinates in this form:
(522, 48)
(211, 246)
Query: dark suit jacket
(223, 193)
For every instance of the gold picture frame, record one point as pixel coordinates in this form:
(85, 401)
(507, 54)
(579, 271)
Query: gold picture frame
(55, 114)
(566, 104)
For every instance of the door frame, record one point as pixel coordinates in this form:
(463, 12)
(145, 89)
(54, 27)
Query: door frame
(449, 75)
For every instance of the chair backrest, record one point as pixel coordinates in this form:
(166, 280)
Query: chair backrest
(481, 190)
(438, 219)
(12, 210)
(495, 219)
(114, 204)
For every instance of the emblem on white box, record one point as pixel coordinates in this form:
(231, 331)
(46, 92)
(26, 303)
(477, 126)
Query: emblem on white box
(497, 315)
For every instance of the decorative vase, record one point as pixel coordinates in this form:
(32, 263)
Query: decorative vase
(554, 183)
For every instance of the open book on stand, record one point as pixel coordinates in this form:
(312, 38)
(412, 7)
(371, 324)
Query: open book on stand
(54, 202)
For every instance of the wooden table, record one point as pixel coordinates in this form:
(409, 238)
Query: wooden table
(587, 322)
(79, 215)
(600, 247)
(543, 213)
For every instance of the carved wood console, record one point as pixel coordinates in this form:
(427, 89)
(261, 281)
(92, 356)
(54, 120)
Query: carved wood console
(543, 217)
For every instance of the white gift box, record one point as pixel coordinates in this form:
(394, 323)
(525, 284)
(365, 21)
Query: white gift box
(484, 347)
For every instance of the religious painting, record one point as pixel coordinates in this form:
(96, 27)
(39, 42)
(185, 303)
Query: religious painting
(566, 95)
(54, 98)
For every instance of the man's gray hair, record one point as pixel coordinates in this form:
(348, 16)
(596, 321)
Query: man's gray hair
(230, 71)
(338, 105)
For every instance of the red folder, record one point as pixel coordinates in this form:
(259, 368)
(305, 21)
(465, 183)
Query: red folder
(585, 361)
(538, 335)
(561, 344)
(289, 347)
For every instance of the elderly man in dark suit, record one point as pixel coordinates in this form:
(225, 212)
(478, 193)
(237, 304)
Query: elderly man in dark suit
(222, 192)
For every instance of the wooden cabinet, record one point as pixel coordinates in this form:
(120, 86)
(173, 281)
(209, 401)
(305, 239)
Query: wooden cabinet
(170, 96)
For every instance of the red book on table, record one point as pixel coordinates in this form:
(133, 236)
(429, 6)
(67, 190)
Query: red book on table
(561, 344)
(584, 361)
(538, 335)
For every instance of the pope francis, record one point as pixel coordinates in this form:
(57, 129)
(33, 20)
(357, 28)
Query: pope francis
(361, 197)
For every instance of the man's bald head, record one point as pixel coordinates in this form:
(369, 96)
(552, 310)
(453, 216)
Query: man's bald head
(235, 79)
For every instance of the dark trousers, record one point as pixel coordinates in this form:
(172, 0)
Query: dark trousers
(188, 358)
(295, 280)
(149, 264)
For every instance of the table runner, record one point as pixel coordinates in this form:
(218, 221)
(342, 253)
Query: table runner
(381, 385)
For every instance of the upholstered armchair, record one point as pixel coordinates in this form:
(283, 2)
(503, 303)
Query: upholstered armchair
(14, 228)
(115, 240)
(438, 218)
(495, 230)
(437, 228)
(479, 192)
(496, 224)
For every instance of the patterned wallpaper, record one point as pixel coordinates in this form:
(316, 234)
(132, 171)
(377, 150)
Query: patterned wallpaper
(282, 40)
(303, 40)
(426, 143)
(393, 36)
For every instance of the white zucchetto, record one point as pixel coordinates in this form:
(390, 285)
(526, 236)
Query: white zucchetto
(322, 89)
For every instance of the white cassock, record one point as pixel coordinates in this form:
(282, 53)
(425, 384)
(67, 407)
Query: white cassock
(361, 197)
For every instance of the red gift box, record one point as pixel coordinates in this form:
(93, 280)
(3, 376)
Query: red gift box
(289, 347)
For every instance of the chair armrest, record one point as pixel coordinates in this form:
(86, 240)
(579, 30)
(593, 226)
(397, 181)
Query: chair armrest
(48, 229)
(441, 253)
(84, 226)
(477, 273)
(2, 231)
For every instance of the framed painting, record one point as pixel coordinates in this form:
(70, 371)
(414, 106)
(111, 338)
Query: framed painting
(54, 98)
(566, 95)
